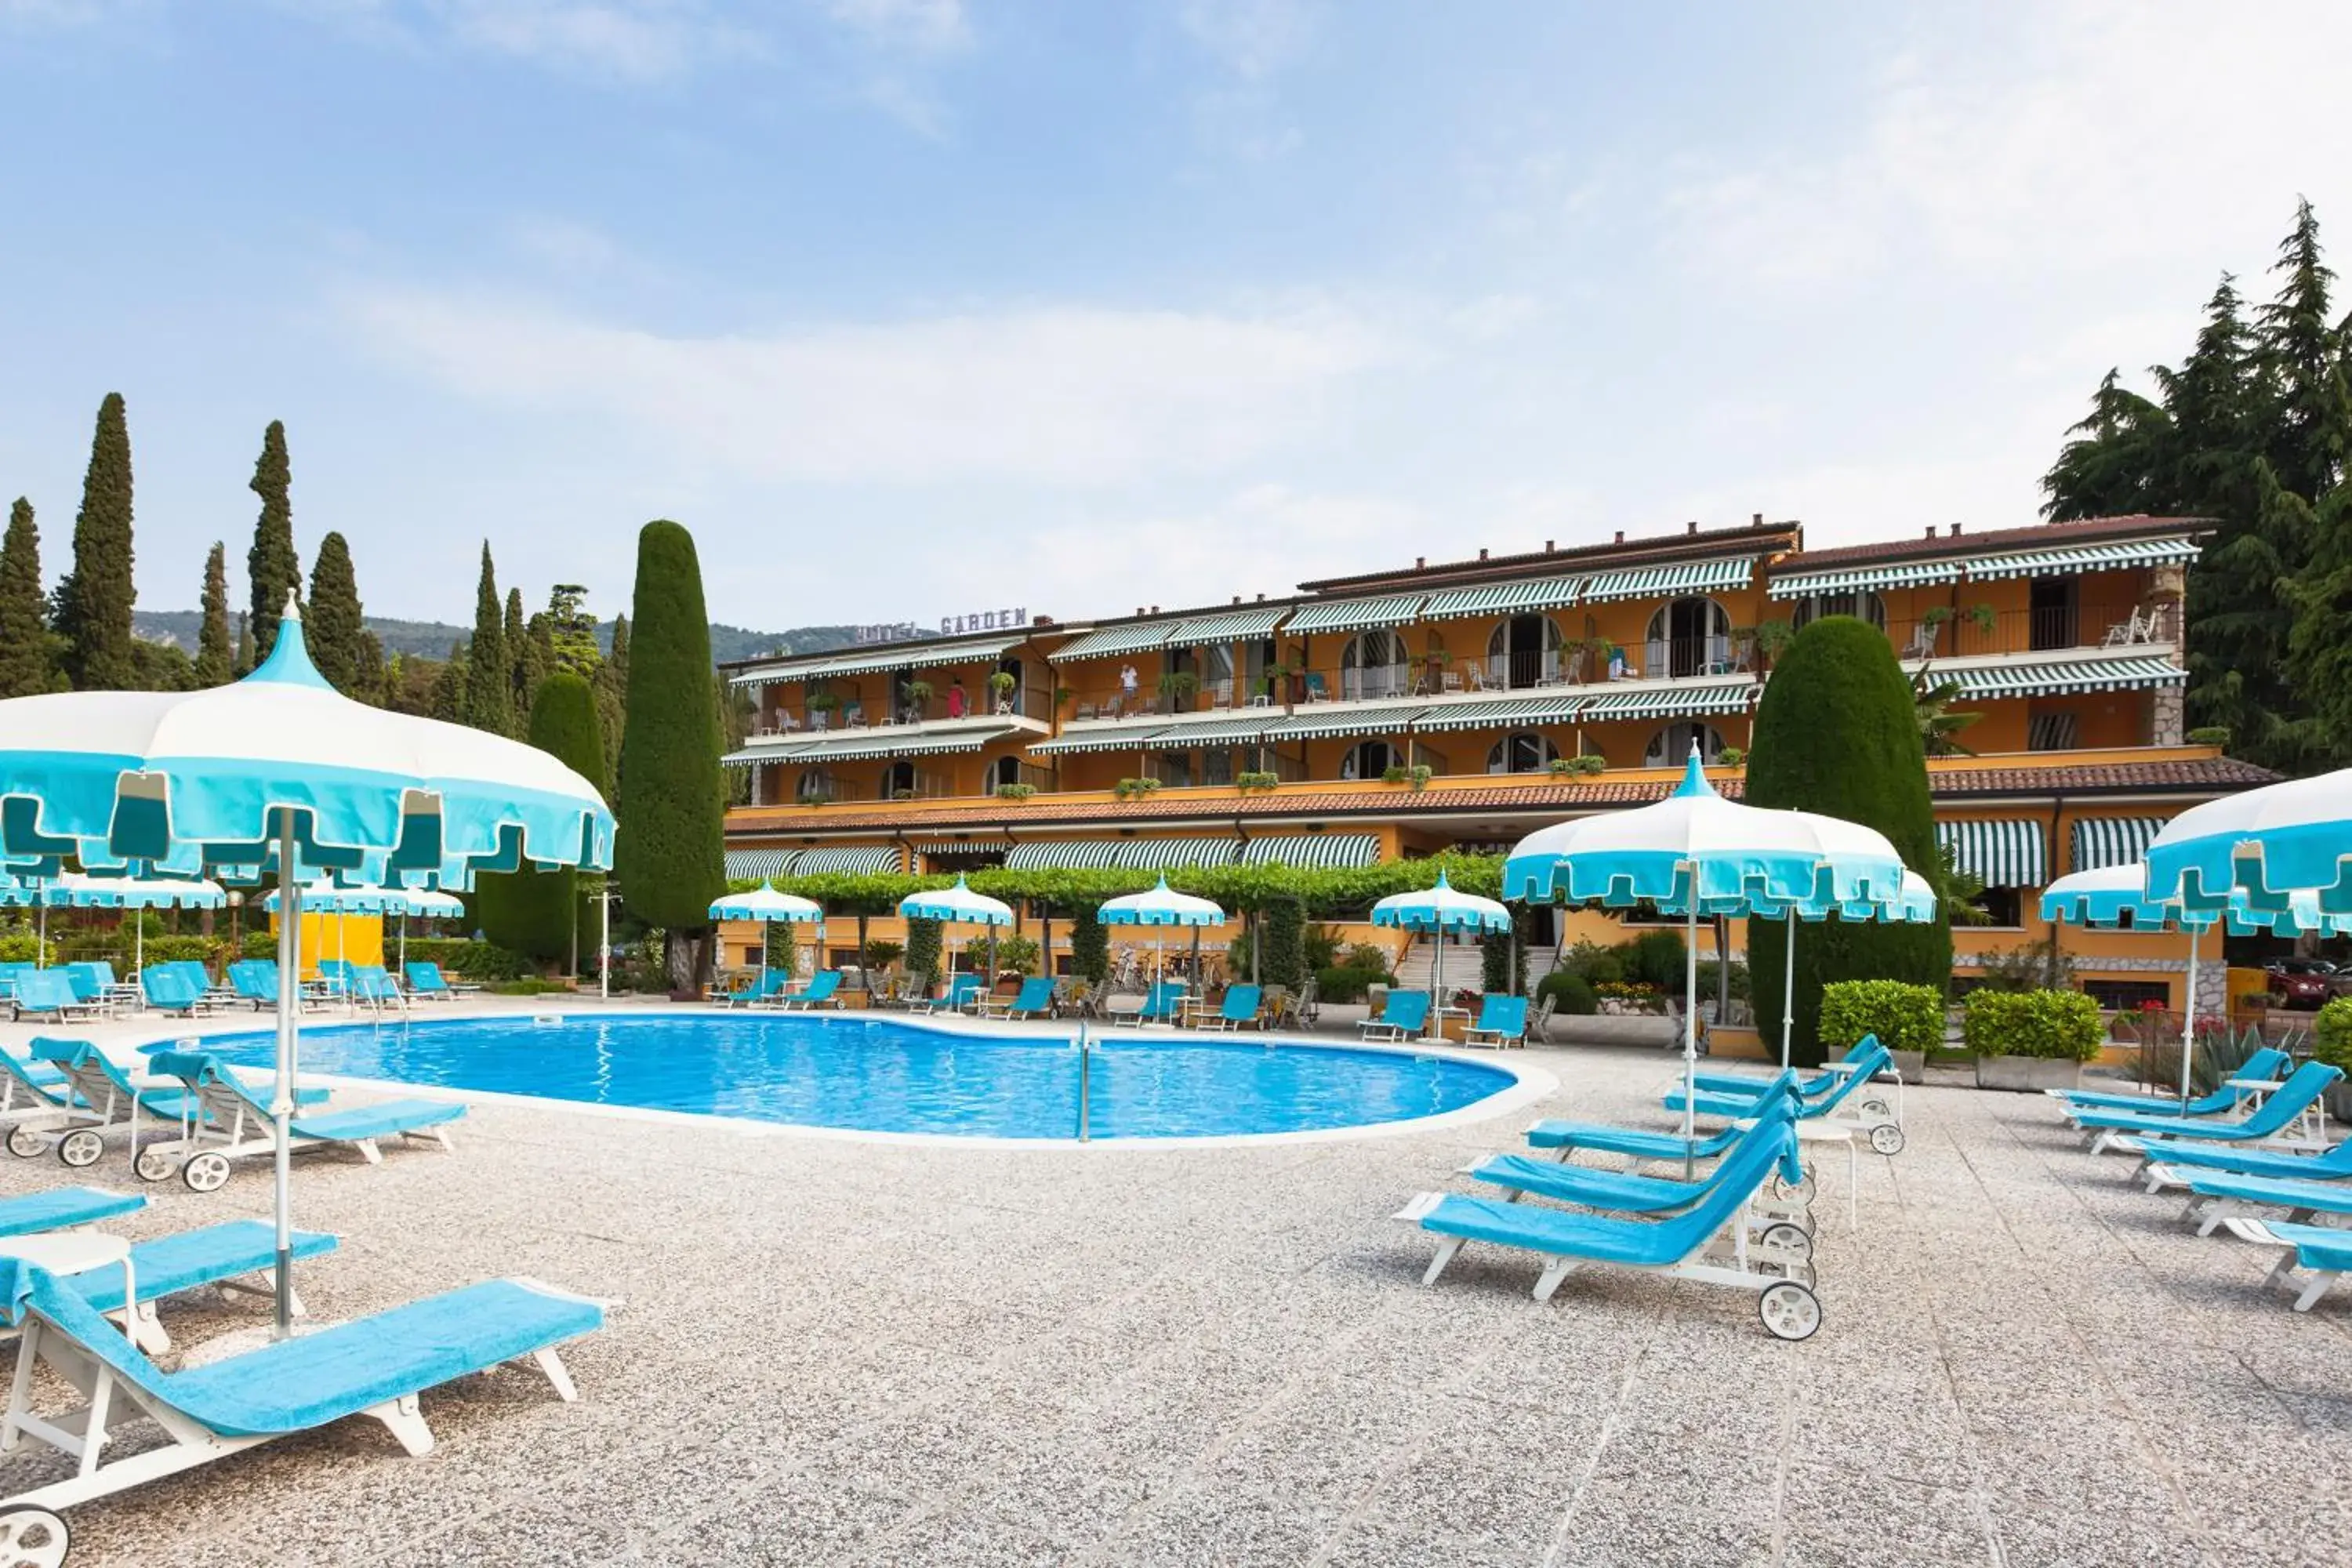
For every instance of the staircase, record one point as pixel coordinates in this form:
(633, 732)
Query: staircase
(1417, 969)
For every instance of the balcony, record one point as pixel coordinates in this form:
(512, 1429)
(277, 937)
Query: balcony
(2050, 628)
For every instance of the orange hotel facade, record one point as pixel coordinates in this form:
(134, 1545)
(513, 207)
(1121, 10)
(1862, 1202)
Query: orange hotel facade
(1297, 729)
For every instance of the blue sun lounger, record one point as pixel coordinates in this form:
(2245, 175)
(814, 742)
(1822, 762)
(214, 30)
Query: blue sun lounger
(1160, 1006)
(426, 980)
(2175, 1161)
(224, 1257)
(818, 993)
(1638, 1145)
(2215, 1196)
(1502, 1021)
(767, 983)
(1707, 1242)
(1749, 1085)
(1623, 1192)
(963, 991)
(2323, 1249)
(1240, 1008)
(374, 1366)
(2270, 1064)
(237, 1123)
(49, 994)
(254, 980)
(102, 1099)
(1403, 1015)
(64, 1208)
(2286, 1106)
(168, 989)
(1876, 1116)
(1035, 1000)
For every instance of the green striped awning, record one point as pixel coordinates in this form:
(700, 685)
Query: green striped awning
(1063, 855)
(757, 863)
(2003, 854)
(1688, 577)
(1510, 712)
(866, 860)
(2051, 677)
(1503, 598)
(2083, 558)
(1313, 849)
(1233, 732)
(1169, 854)
(2104, 841)
(988, 845)
(886, 740)
(1232, 626)
(1323, 722)
(1686, 699)
(1856, 579)
(1134, 636)
(1101, 738)
(1355, 615)
(882, 657)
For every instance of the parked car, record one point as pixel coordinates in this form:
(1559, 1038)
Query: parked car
(2304, 985)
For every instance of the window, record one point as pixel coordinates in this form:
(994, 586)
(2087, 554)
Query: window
(1523, 651)
(1217, 766)
(1005, 770)
(816, 785)
(1669, 745)
(1860, 604)
(2052, 732)
(1217, 673)
(1522, 753)
(2002, 906)
(898, 779)
(1368, 761)
(2128, 996)
(1371, 665)
(1688, 636)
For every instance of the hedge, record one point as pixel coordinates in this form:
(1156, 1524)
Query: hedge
(1903, 1017)
(1571, 993)
(2057, 1025)
(2331, 1034)
(464, 957)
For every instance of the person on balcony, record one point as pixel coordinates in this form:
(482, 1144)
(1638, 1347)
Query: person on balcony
(958, 703)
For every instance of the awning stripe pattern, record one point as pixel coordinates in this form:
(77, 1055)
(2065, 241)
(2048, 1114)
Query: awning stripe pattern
(1234, 625)
(2052, 678)
(1688, 577)
(1337, 849)
(974, 845)
(742, 863)
(1240, 732)
(1689, 699)
(874, 660)
(1557, 708)
(2083, 558)
(1312, 725)
(1855, 579)
(1503, 598)
(1106, 739)
(892, 740)
(2009, 853)
(863, 860)
(2104, 841)
(1172, 854)
(1356, 614)
(1063, 855)
(1112, 641)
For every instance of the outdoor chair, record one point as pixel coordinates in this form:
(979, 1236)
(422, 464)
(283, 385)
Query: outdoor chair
(1160, 1005)
(818, 993)
(1875, 1117)
(2179, 1162)
(1033, 1000)
(64, 1208)
(2325, 1251)
(426, 980)
(2268, 1064)
(236, 1256)
(1243, 1006)
(235, 1123)
(1541, 1024)
(2294, 1100)
(1403, 1015)
(49, 994)
(962, 990)
(1502, 1021)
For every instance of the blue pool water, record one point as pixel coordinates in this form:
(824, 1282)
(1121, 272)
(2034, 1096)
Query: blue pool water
(882, 1075)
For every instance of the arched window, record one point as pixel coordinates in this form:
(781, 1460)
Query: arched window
(1368, 761)
(1523, 651)
(1373, 665)
(1861, 603)
(1527, 753)
(1672, 744)
(815, 785)
(1688, 636)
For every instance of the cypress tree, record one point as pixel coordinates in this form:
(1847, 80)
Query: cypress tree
(215, 648)
(371, 679)
(489, 675)
(244, 644)
(333, 621)
(272, 566)
(612, 683)
(530, 912)
(1836, 733)
(668, 859)
(513, 635)
(450, 687)
(28, 659)
(94, 601)
(2299, 352)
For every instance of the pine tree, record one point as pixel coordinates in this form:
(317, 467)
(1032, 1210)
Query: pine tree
(572, 631)
(370, 680)
(2303, 357)
(215, 648)
(333, 621)
(272, 567)
(490, 673)
(2319, 651)
(2215, 405)
(93, 606)
(2108, 468)
(28, 658)
(450, 687)
(669, 864)
(530, 912)
(612, 684)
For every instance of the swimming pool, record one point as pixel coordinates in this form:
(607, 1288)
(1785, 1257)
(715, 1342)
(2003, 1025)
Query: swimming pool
(875, 1074)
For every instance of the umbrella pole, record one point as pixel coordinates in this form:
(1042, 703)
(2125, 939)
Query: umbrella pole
(605, 947)
(1436, 985)
(1690, 1027)
(41, 932)
(138, 941)
(281, 1103)
(1789, 989)
(2188, 1017)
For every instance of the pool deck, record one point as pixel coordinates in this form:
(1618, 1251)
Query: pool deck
(838, 1352)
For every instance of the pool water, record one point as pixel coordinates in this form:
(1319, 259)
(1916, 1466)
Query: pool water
(883, 1075)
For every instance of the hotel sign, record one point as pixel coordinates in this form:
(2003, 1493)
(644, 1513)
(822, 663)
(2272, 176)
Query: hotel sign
(949, 626)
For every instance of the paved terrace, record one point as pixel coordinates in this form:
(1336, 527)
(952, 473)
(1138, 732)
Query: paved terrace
(833, 1352)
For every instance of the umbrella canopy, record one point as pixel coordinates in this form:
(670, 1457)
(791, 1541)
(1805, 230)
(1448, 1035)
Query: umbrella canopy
(1441, 910)
(432, 903)
(72, 890)
(958, 905)
(326, 898)
(281, 768)
(764, 903)
(1162, 906)
(2266, 843)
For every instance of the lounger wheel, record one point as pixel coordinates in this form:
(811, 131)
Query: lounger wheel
(1877, 1108)
(1781, 1234)
(1797, 1192)
(80, 1147)
(1789, 1311)
(1887, 1138)
(154, 1163)
(31, 1538)
(205, 1172)
(24, 1142)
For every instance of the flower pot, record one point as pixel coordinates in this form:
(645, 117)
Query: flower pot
(2028, 1075)
(1911, 1066)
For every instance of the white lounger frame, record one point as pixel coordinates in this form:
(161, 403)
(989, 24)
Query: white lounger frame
(2261, 1235)
(226, 1132)
(1730, 1258)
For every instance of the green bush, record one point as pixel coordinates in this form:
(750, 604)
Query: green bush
(1903, 1017)
(1740, 990)
(1345, 982)
(923, 953)
(1593, 963)
(1017, 955)
(1284, 962)
(2331, 1034)
(1091, 946)
(2057, 1025)
(881, 954)
(1502, 963)
(460, 956)
(1655, 958)
(528, 986)
(1321, 945)
(1571, 993)
(263, 944)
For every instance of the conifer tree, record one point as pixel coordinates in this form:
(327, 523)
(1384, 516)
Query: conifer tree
(244, 644)
(272, 569)
(515, 635)
(28, 658)
(215, 647)
(450, 687)
(2303, 357)
(371, 679)
(2319, 646)
(333, 621)
(612, 684)
(490, 673)
(93, 606)
(2108, 468)
(532, 912)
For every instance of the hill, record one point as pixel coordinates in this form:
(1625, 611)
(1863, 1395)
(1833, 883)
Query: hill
(432, 639)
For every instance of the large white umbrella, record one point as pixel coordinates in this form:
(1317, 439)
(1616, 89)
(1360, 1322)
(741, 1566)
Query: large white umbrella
(1162, 906)
(280, 768)
(2266, 843)
(764, 904)
(1697, 852)
(1443, 911)
(426, 903)
(956, 906)
(73, 890)
(1915, 905)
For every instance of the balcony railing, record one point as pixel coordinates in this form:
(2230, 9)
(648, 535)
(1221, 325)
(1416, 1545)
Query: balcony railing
(2047, 628)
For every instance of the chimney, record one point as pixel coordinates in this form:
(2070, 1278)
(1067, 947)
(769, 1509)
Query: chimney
(1482, 554)
(1621, 536)
(1691, 527)
(1261, 598)
(1931, 530)
(1756, 520)
(1237, 599)
(1138, 609)
(1546, 547)
(1155, 609)
(1956, 531)
(1420, 562)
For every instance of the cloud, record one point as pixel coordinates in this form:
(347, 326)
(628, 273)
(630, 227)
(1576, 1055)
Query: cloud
(928, 26)
(633, 41)
(1251, 38)
(1062, 394)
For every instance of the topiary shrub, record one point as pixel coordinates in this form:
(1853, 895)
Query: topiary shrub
(1903, 1017)
(1284, 961)
(533, 913)
(1837, 733)
(1569, 992)
(1593, 963)
(2331, 1034)
(1655, 958)
(2055, 1025)
(1345, 982)
(1502, 963)
(923, 953)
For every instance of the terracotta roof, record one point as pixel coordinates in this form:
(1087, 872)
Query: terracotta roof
(1756, 539)
(2052, 535)
(2216, 775)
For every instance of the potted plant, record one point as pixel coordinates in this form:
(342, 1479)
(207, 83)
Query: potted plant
(2030, 1041)
(1177, 685)
(1732, 757)
(2214, 735)
(1278, 677)
(1015, 791)
(824, 700)
(1133, 789)
(1770, 638)
(1578, 767)
(918, 696)
(1250, 781)
(1907, 1019)
(1001, 685)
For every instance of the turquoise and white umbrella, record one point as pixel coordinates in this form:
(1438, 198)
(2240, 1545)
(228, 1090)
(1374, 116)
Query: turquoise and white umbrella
(1163, 906)
(956, 906)
(281, 768)
(71, 890)
(2266, 843)
(1442, 912)
(1695, 852)
(764, 904)
(425, 903)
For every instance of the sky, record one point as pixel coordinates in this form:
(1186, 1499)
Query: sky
(915, 308)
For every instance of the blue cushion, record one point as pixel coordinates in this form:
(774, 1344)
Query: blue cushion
(61, 1207)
